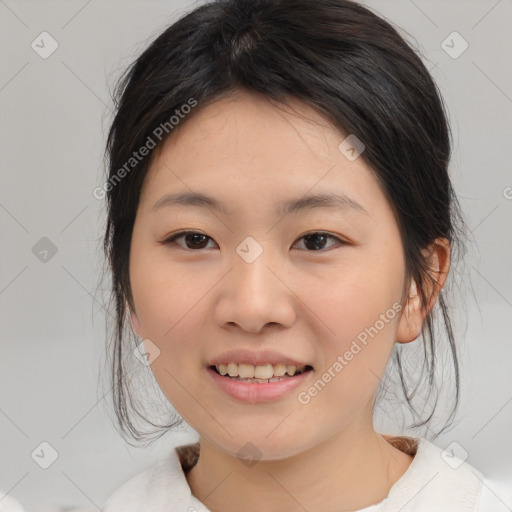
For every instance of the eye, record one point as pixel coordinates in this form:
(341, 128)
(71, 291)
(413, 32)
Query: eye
(318, 238)
(196, 240)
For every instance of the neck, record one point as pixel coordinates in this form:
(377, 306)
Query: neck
(347, 472)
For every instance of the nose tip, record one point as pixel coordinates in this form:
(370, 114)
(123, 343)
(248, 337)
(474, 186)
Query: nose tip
(252, 295)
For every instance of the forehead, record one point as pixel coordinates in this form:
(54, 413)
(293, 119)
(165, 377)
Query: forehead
(252, 121)
(247, 147)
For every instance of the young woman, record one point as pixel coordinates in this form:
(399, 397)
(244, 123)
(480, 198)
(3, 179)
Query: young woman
(281, 224)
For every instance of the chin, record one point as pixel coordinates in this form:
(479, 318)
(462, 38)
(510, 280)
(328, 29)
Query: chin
(256, 445)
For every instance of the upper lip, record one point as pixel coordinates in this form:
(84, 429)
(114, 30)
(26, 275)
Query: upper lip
(261, 357)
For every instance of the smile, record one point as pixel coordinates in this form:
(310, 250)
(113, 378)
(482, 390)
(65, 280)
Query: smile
(259, 373)
(257, 389)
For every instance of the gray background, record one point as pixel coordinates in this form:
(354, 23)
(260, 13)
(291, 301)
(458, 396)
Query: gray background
(55, 114)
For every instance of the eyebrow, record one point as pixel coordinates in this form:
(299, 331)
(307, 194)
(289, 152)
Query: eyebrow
(318, 200)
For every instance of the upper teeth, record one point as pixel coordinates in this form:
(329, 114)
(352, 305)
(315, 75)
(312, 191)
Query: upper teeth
(264, 371)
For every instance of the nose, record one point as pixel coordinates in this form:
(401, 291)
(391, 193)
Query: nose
(254, 295)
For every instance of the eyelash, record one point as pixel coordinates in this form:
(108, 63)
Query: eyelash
(180, 234)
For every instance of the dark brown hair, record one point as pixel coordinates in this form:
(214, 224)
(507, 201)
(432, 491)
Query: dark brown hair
(340, 58)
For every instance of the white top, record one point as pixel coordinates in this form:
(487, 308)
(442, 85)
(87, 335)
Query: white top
(9, 504)
(431, 483)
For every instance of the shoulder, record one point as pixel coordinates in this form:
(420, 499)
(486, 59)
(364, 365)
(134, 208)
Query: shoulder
(490, 500)
(132, 492)
(9, 504)
(437, 479)
(158, 487)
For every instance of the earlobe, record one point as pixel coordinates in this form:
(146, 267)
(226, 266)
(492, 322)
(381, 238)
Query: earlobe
(412, 317)
(135, 324)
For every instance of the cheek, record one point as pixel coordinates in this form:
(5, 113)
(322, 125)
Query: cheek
(167, 304)
(164, 294)
(359, 307)
(354, 358)
(171, 311)
(351, 298)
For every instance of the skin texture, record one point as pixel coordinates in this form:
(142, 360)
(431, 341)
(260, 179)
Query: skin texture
(309, 301)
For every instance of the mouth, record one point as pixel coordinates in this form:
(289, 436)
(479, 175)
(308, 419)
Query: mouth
(259, 374)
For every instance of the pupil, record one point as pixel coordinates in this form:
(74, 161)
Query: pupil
(316, 239)
(195, 236)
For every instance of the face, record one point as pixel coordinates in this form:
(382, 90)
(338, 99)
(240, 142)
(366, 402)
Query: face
(319, 285)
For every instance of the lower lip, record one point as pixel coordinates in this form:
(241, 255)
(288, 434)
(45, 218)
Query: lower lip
(254, 392)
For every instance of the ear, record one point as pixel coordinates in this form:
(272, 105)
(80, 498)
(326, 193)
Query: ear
(135, 324)
(437, 258)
